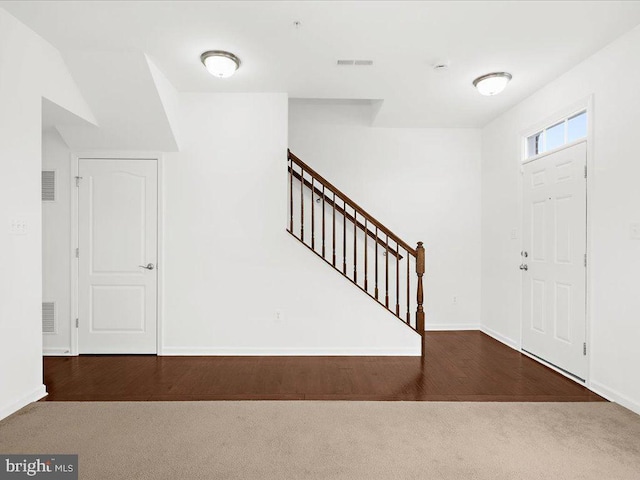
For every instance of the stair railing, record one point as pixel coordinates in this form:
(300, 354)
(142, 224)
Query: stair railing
(348, 236)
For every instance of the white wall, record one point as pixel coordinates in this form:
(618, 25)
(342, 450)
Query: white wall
(424, 184)
(612, 75)
(56, 243)
(23, 58)
(229, 265)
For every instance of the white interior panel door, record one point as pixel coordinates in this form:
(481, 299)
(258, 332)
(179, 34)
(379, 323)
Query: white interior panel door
(554, 242)
(117, 279)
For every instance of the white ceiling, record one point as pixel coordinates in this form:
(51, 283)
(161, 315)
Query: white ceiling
(535, 41)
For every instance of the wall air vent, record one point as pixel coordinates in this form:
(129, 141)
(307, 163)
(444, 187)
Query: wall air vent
(48, 317)
(48, 186)
(356, 63)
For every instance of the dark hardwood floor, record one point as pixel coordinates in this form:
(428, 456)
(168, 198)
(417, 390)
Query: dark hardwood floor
(459, 366)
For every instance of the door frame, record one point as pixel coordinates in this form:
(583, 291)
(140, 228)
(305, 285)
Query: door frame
(587, 105)
(75, 230)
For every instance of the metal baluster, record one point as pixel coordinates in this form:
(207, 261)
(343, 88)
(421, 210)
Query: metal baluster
(376, 289)
(313, 216)
(344, 237)
(386, 272)
(397, 279)
(323, 208)
(290, 196)
(333, 232)
(366, 234)
(302, 204)
(355, 246)
(408, 292)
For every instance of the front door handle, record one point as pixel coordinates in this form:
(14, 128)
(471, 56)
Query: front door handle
(149, 266)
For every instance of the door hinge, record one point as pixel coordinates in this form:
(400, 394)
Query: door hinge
(585, 171)
(78, 181)
(77, 252)
(77, 322)
(584, 348)
(585, 259)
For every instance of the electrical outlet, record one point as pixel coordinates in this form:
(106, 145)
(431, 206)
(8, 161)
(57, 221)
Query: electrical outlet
(634, 231)
(18, 227)
(278, 316)
(455, 300)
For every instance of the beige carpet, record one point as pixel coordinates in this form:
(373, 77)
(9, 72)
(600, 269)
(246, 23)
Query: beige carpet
(333, 440)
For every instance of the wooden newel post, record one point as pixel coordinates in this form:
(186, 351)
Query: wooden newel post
(420, 294)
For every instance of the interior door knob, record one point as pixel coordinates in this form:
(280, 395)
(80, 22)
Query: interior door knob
(149, 266)
(524, 267)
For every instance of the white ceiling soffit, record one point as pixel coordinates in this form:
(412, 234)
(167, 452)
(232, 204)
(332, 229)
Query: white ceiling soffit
(168, 97)
(336, 111)
(54, 116)
(536, 41)
(122, 93)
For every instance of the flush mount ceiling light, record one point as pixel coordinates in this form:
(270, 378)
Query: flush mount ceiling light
(219, 63)
(492, 83)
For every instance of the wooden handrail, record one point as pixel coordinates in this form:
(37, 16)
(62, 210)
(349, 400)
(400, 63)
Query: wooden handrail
(341, 210)
(352, 204)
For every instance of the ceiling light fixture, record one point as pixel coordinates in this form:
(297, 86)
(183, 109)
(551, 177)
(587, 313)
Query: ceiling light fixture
(492, 83)
(219, 63)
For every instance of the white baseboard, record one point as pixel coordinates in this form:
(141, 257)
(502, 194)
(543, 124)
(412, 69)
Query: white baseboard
(56, 352)
(499, 337)
(330, 352)
(453, 327)
(25, 400)
(614, 396)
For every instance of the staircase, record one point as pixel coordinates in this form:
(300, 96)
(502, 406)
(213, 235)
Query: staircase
(356, 245)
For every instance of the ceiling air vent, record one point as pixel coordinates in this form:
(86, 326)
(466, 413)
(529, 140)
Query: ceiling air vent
(48, 317)
(48, 186)
(356, 63)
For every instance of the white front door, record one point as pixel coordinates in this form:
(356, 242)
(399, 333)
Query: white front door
(117, 278)
(554, 249)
